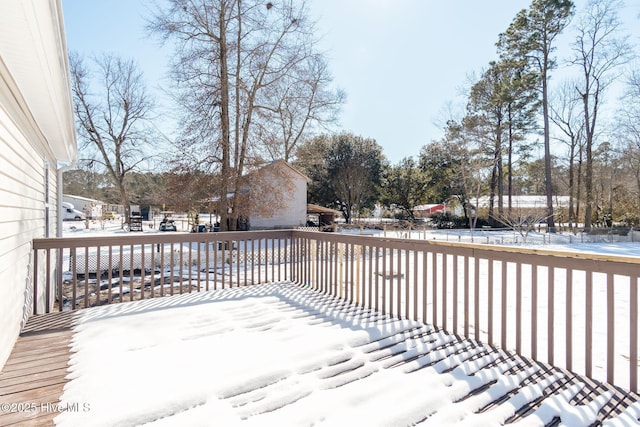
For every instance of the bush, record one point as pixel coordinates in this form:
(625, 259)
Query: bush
(630, 219)
(444, 220)
(401, 216)
(617, 230)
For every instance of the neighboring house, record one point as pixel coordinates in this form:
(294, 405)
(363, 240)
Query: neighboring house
(452, 206)
(275, 196)
(90, 207)
(36, 134)
(425, 211)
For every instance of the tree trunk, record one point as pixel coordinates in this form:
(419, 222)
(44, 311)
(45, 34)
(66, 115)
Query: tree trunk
(588, 184)
(579, 184)
(572, 214)
(500, 181)
(492, 190)
(551, 225)
(124, 200)
(590, 124)
(224, 124)
(510, 165)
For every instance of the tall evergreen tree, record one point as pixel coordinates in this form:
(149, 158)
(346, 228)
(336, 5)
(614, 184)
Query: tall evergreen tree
(530, 38)
(504, 103)
(489, 109)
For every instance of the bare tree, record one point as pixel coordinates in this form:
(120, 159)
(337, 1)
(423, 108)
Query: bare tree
(608, 173)
(628, 131)
(231, 57)
(300, 103)
(522, 221)
(599, 51)
(466, 151)
(566, 115)
(114, 120)
(475, 166)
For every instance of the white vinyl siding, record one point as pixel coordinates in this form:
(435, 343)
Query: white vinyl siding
(22, 218)
(286, 194)
(37, 131)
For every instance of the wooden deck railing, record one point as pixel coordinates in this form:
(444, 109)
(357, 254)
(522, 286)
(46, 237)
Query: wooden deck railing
(88, 271)
(576, 311)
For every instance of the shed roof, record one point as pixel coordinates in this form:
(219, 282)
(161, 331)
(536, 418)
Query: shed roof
(277, 163)
(317, 209)
(86, 199)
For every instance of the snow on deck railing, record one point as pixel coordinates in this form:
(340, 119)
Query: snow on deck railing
(576, 311)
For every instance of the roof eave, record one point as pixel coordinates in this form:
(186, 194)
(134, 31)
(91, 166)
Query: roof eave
(33, 48)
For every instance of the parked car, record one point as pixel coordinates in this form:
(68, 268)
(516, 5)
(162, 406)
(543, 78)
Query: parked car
(69, 213)
(167, 224)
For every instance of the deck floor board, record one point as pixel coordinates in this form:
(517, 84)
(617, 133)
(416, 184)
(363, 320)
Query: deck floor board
(32, 380)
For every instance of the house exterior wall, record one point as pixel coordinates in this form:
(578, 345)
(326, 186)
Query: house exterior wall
(36, 133)
(284, 191)
(27, 210)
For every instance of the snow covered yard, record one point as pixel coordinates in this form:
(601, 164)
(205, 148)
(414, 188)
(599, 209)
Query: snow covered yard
(280, 354)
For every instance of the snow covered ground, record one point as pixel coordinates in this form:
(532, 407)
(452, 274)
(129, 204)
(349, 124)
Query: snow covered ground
(282, 355)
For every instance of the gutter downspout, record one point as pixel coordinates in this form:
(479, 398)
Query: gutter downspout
(61, 170)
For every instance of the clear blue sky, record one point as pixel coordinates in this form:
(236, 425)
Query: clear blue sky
(401, 62)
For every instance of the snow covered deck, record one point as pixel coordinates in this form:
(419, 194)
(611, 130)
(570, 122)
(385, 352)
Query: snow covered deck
(282, 354)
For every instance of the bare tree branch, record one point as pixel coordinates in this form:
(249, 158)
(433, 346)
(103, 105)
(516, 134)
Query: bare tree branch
(114, 121)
